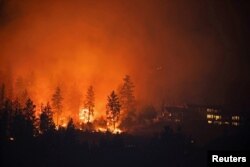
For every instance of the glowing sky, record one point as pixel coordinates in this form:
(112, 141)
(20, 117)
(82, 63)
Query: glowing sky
(175, 51)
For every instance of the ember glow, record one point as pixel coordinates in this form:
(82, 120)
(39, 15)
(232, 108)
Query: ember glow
(117, 131)
(83, 116)
(76, 44)
(63, 122)
(100, 129)
(110, 82)
(81, 43)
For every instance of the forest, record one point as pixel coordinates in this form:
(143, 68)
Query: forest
(123, 83)
(29, 138)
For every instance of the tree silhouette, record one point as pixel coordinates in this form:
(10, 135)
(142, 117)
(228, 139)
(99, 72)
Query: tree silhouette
(126, 95)
(90, 103)
(113, 109)
(5, 115)
(18, 124)
(23, 122)
(46, 119)
(70, 125)
(127, 99)
(70, 133)
(57, 103)
(30, 118)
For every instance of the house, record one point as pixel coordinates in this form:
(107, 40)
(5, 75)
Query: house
(210, 114)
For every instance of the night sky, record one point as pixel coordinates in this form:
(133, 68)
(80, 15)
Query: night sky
(176, 51)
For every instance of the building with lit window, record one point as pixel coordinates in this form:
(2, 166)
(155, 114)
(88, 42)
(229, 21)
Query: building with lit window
(211, 115)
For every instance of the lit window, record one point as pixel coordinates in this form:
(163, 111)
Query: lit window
(209, 122)
(209, 116)
(217, 117)
(235, 123)
(236, 118)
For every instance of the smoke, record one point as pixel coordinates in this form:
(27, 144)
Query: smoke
(173, 50)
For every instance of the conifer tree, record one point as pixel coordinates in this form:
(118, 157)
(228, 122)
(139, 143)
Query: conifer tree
(113, 109)
(90, 103)
(57, 104)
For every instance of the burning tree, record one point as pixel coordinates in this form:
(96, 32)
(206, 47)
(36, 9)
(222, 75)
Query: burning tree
(126, 95)
(113, 109)
(127, 99)
(46, 119)
(57, 103)
(90, 103)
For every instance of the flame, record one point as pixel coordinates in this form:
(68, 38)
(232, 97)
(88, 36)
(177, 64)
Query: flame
(83, 115)
(103, 130)
(63, 121)
(64, 125)
(117, 131)
(100, 129)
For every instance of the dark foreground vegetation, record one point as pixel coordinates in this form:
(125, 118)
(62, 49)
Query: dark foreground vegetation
(72, 147)
(28, 140)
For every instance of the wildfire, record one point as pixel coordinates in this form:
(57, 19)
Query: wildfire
(64, 125)
(100, 129)
(117, 131)
(103, 130)
(63, 121)
(83, 116)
